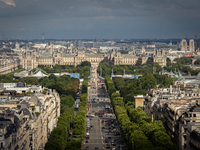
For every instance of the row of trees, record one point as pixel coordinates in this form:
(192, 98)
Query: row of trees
(67, 88)
(59, 135)
(8, 78)
(129, 69)
(137, 128)
(83, 69)
(79, 123)
(181, 65)
(131, 87)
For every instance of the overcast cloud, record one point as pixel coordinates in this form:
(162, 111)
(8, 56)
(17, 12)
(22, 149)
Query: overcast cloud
(69, 19)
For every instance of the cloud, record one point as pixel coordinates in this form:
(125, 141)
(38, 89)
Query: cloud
(8, 2)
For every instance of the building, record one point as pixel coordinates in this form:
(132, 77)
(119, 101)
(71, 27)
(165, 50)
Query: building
(159, 57)
(193, 136)
(186, 47)
(192, 116)
(27, 121)
(32, 60)
(176, 108)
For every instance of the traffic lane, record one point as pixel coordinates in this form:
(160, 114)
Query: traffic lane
(95, 137)
(95, 134)
(118, 140)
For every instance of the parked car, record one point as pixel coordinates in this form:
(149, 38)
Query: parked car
(106, 140)
(87, 148)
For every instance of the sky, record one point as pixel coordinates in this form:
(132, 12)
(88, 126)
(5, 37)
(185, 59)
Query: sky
(101, 19)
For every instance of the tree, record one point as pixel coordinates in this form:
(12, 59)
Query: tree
(85, 63)
(147, 81)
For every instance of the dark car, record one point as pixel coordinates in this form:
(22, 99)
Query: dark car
(106, 140)
(108, 146)
(87, 148)
(96, 147)
(114, 144)
(109, 137)
(103, 127)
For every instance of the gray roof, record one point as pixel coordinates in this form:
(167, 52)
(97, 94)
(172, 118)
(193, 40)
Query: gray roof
(127, 55)
(27, 112)
(198, 76)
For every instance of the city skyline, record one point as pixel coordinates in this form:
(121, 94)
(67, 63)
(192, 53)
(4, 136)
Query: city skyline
(28, 19)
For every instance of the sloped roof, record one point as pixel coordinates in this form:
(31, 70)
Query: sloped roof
(198, 76)
(39, 74)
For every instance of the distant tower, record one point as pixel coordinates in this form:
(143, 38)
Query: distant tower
(95, 40)
(191, 45)
(183, 45)
(195, 42)
(51, 48)
(42, 36)
(71, 46)
(17, 46)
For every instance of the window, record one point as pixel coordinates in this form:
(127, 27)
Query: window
(31, 137)
(194, 115)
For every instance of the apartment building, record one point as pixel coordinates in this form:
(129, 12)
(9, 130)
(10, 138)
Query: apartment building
(175, 108)
(27, 121)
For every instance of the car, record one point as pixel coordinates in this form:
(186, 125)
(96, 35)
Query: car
(87, 148)
(117, 133)
(113, 141)
(90, 118)
(96, 147)
(86, 141)
(103, 127)
(108, 146)
(106, 140)
(91, 126)
(109, 137)
(92, 115)
(114, 144)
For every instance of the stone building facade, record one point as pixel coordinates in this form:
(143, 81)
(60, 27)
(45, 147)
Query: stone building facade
(26, 122)
(160, 57)
(30, 59)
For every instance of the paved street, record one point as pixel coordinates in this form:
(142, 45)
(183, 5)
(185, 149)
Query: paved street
(104, 131)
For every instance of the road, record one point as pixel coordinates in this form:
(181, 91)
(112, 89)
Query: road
(99, 131)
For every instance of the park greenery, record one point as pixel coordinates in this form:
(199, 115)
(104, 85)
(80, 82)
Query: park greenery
(137, 128)
(83, 69)
(79, 123)
(180, 65)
